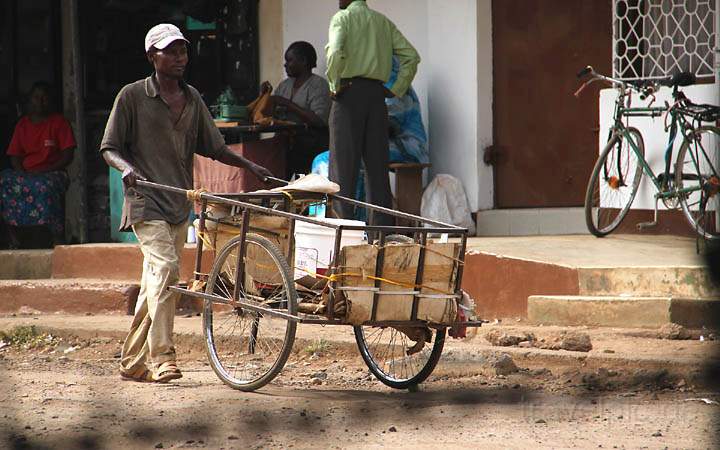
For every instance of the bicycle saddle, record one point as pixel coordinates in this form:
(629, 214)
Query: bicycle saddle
(680, 79)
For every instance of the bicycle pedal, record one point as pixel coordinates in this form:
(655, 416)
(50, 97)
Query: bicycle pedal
(643, 225)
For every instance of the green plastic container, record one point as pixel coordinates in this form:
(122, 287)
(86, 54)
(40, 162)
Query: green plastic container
(233, 112)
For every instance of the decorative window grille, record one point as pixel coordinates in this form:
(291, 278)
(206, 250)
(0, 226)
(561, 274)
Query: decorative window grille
(657, 38)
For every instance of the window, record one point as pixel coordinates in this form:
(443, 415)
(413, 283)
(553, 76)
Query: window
(657, 38)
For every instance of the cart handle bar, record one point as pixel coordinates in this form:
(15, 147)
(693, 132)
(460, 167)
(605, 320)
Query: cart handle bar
(447, 228)
(375, 208)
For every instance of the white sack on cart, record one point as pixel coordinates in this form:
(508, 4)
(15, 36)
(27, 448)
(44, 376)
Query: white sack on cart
(444, 200)
(309, 183)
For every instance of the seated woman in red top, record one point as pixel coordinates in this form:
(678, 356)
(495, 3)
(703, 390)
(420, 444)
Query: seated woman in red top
(32, 192)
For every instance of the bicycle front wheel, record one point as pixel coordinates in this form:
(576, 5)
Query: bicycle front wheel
(614, 182)
(394, 358)
(697, 179)
(247, 349)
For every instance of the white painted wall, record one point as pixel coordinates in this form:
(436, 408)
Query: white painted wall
(653, 131)
(454, 80)
(308, 20)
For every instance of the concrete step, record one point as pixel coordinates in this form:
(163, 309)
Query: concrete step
(72, 296)
(501, 273)
(623, 311)
(25, 264)
(687, 282)
(114, 262)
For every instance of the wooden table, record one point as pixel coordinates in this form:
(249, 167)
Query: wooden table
(408, 187)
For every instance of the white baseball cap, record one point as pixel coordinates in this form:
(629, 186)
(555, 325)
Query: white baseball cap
(162, 35)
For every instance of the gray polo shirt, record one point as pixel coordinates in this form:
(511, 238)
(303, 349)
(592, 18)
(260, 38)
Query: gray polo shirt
(140, 128)
(313, 95)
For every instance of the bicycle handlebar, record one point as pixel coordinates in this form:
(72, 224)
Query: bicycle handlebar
(644, 87)
(585, 71)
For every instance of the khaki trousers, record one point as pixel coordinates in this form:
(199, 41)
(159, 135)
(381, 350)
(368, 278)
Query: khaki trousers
(150, 341)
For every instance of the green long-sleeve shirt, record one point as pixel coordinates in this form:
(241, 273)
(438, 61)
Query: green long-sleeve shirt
(362, 43)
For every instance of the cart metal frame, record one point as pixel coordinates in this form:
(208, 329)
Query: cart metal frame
(282, 205)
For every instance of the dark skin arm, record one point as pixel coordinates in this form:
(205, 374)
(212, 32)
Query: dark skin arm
(233, 159)
(305, 115)
(131, 174)
(65, 159)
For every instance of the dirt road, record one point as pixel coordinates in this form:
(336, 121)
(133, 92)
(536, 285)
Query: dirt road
(68, 395)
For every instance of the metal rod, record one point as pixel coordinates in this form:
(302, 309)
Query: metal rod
(215, 198)
(199, 241)
(242, 205)
(398, 230)
(335, 270)
(460, 265)
(240, 266)
(419, 275)
(378, 273)
(393, 212)
(309, 320)
(237, 303)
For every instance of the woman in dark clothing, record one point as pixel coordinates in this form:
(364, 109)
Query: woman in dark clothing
(303, 97)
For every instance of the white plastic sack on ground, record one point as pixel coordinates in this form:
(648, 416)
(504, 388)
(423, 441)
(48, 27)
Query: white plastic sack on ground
(444, 200)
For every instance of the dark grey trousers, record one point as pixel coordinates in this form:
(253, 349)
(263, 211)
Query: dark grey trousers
(359, 129)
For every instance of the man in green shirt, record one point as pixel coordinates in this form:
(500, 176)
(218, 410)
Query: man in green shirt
(360, 49)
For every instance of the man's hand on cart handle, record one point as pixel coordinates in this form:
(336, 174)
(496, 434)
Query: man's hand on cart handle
(259, 171)
(279, 181)
(130, 176)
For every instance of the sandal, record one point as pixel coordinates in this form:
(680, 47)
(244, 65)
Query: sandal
(142, 375)
(166, 372)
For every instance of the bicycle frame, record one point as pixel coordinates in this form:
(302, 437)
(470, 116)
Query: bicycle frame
(678, 123)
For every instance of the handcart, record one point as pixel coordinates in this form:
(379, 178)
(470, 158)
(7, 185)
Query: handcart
(397, 286)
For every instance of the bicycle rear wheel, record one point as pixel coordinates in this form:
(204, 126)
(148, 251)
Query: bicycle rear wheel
(697, 178)
(388, 353)
(247, 349)
(614, 183)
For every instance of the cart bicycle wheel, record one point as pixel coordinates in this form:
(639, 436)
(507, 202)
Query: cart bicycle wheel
(247, 349)
(614, 183)
(385, 351)
(697, 171)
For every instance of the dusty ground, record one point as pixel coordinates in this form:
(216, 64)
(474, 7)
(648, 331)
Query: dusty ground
(64, 392)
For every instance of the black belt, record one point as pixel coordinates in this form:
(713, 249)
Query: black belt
(350, 80)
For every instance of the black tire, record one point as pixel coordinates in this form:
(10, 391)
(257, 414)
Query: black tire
(244, 347)
(374, 350)
(616, 176)
(698, 167)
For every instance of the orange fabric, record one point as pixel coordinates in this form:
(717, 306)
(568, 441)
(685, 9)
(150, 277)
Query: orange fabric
(261, 111)
(217, 177)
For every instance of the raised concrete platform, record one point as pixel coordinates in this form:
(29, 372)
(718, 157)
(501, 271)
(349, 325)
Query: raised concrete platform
(72, 296)
(25, 264)
(636, 312)
(111, 261)
(620, 273)
(502, 273)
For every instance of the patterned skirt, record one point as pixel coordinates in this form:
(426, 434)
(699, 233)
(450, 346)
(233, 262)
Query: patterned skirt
(28, 199)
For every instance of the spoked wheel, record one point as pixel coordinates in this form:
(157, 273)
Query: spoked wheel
(394, 358)
(613, 184)
(248, 349)
(697, 178)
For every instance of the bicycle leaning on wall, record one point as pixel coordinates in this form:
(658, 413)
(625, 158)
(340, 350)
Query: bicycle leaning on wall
(693, 186)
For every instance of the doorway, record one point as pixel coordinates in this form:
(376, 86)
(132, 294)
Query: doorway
(546, 140)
